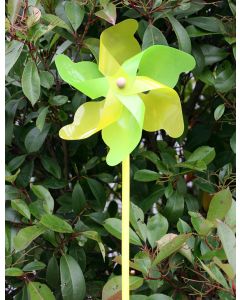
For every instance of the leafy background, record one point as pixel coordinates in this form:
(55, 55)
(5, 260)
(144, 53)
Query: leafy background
(63, 208)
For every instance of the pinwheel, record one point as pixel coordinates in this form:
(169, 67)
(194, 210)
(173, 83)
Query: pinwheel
(137, 87)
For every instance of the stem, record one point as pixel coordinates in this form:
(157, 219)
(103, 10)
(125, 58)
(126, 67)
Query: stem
(125, 227)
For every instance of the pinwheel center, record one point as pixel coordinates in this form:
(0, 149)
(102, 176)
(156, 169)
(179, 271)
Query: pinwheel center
(121, 82)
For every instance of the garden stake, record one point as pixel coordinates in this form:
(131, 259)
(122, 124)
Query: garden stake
(138, 90)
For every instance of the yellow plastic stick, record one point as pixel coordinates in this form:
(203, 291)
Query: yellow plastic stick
(125, 227)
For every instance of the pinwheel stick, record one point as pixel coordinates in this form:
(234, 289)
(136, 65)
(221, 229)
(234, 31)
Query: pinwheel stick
(125, 226)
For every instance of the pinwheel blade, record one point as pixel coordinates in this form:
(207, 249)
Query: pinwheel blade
(124, 135)
(117, 44)
(165, 64)
(84, 76)
(163, 111)
(92, 117)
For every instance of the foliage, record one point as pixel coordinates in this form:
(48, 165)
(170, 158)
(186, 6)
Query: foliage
(63, 209)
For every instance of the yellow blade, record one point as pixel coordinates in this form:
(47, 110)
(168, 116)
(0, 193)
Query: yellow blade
(117, 44)
(163, 111)
(92, 117)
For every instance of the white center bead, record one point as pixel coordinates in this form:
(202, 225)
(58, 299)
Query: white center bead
(121, 82)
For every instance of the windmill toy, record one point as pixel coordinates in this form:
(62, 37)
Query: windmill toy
(138, 90)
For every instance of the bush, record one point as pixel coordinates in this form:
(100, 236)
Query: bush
(63, 206)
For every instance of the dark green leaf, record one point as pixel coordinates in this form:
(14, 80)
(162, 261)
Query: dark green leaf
(114, 227)
(51, 165)
(43, 194)
(53, 273)
(78, 198)
(157, 226)
(146, 175)
(35, 138)
(184, 41)
(72, 281)
(56, 224)
(31, 82)
(153, 36)
(75, 14)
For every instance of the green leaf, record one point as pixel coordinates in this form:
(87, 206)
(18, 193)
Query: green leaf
(93, 45)
(108, 13)
(228, 240)
(211, 24)
(219, 205)
(218, 275)
(35, 138)
(46, 79)
(72, 281)
(26, 173)
(51, 165)
(21, 207)
(225, 267)
(219, 111)
(153, 36)
(41, 118)
(78, 198)
(16, 162)
(11, 177)
(53, 273)
(174, 207)
(184, 41)
(146, 175)
(98, 192)
(212, 54)
(183, 227)
(39, 291)
(201, 225)
(196, 32)
(56, 224)
(12, 52)
(147, 203)
(168, 249)
(230, 218)
(233, 142)
(31, 82)
(203, 153)
(157, 227)
(74, 13)
(209, 272)
(55, 21)
(159, 297)
(13, 7)
(10, 108)
(113, 288)
(26, 235)
(93, 235)
(13, 272)
(43, 194)
(33, 266)
(193, 165)
(204, 185)
(142, 262)
(137, 221)
(58, 100)
(114, 227)
(11, 192)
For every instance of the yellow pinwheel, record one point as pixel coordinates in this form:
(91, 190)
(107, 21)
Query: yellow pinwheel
(137, 86)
